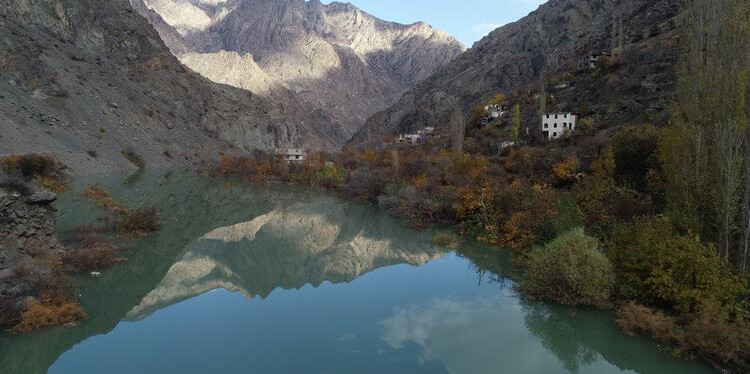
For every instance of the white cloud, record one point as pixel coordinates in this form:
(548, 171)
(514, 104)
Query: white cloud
(483, 29)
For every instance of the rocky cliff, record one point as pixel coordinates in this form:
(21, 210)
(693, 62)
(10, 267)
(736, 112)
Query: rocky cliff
(333, 61)
(86, 79)
(548, 41)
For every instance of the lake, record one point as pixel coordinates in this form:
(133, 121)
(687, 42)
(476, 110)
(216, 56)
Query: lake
(278, 279)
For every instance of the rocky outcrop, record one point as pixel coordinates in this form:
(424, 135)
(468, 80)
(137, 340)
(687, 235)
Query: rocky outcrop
(86, 79)
(332, 60)
(27, 229)
(548, 41)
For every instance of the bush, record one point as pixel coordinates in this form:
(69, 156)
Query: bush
(91, 251)
(137, 222)
(330, 176)
(658, 267)
(52, 184)
(38, 315)
(709, 333)
(570, 270)
(31, 165)
(636, 319)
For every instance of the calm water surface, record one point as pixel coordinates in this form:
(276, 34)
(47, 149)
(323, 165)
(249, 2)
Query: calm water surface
(272, 279)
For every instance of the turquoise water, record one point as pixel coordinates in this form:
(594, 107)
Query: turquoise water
(275, 279)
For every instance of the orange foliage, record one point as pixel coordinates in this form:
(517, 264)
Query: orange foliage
(566, 171)
(38, 315)
(518, 231)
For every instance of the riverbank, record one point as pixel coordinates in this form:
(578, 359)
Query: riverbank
(526, 197)
(278, 250)
(36, 268)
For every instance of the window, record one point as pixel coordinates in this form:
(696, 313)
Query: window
(555, 116)
(554, 134)
(546, 125)
(566, 116)
(548, 116)
(555, 125)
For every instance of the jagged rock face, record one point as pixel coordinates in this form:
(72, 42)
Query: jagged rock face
(335, 59)
(85, 79)
(547, 41)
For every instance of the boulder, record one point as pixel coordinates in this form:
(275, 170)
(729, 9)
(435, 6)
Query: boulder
(42, 197)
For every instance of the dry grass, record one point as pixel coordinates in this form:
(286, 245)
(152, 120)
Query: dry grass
(51, 184)
(138, 222)
(103, 199)
(38, 315)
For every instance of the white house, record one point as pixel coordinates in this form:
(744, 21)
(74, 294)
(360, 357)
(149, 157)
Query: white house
(293, 154)
(555, 125)
(412, 139)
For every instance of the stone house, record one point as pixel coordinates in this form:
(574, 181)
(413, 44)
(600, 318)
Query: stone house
(292, 154)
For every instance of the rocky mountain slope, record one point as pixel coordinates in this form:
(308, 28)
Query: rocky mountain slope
(334, 61)
(86, 79)
(548, 41)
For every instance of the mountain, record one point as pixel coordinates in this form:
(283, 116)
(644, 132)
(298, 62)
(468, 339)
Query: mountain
(547, 42)
(85, 80)
(290, 247)
(334, 60)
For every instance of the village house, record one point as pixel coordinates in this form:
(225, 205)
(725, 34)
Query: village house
(495, 111)
(555, 125)
(414, 139)
(591, 61)
(292, 154)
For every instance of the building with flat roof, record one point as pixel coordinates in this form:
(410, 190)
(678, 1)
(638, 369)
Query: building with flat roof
(555, 125)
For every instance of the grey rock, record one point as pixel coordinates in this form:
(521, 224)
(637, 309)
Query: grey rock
(42, 197)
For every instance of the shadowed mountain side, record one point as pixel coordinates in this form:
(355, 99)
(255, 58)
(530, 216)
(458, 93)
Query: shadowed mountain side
(85, 79)
(317, 125)
(189, 208)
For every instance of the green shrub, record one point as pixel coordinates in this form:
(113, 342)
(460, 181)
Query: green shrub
(656, 266)
(570, 270)
(329, 176)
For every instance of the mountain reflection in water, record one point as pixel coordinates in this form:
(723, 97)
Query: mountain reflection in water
(305, 282)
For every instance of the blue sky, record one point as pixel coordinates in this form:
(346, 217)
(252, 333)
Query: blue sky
(467, 20)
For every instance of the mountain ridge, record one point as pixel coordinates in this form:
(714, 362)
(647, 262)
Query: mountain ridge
(334, 60)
